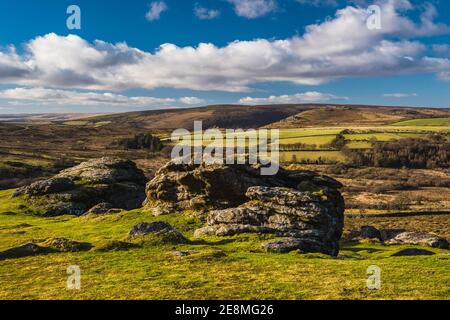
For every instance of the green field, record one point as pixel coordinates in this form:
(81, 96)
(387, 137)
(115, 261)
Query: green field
(317, 140)
(425, 122)
(217, 268)
(382, 136)
(359, 145)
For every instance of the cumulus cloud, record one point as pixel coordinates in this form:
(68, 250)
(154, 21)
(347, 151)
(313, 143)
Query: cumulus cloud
(192, 100)
(339, 47)
(45, 96)
(205, 14)
(399, 95)
(305, 97)
(156, 8)
(252, 9)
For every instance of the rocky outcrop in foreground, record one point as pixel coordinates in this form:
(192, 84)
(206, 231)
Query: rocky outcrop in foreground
(99, 184)
(311, 221)
(217, 186)
(398, 236)
(303, 207)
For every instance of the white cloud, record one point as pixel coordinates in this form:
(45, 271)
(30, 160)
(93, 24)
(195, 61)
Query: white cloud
(339, 47)
(44, 96)
(206, 14)
(156, 8)
(252, 9)
(399, 95)
(192, 100)
(305, 97)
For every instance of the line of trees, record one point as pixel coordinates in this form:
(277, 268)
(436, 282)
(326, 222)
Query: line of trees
(431, 152)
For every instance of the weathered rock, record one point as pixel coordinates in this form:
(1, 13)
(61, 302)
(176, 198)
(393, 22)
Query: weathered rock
(413, 252)
(365, 233)
(387, 234)
(73, 191)
(217, 186)
(52, 185)
(420, 238)
(313, 219)
(370, 232)
(117, 246)
(399, 236)
(181, 253)
(100, 208)
(62, 208)
(163, 231)
(295, 204)
(290, 244)
(25, 250)
(66, 245)
(51, 245)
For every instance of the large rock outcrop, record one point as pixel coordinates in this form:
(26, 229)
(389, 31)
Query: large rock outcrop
(217, 186)
(115, 181)
(311, 221)
(303, 207)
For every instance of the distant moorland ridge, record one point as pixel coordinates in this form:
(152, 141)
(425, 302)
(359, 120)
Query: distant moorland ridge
(273, 116)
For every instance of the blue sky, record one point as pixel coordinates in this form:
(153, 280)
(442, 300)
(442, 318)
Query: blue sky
(221, 51)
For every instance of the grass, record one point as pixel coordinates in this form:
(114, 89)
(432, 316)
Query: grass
(359, 145)
(218, 268)
(382, 136)
(425, 122)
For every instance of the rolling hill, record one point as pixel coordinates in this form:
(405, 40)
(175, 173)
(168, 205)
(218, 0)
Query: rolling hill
(271, 116)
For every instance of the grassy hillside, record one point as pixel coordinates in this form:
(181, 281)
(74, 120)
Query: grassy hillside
(238, 265)
(425, 122)
(356, 116)
(224, 116)
(274, 116)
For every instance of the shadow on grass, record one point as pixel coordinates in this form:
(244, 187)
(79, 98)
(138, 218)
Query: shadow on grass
(356, 247)
(212, 243)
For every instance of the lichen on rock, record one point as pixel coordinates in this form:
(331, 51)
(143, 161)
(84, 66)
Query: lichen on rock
(207, 187)
(310, 222)
(74, 191)
(300, 205)
(157, 232)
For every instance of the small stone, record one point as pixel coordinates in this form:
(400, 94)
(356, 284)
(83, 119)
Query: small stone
(181, 253)
(101, 208)
(66, 245)
(144, 228)
(117, 246)
(162, 230)
(370, 232)
(420, 238)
